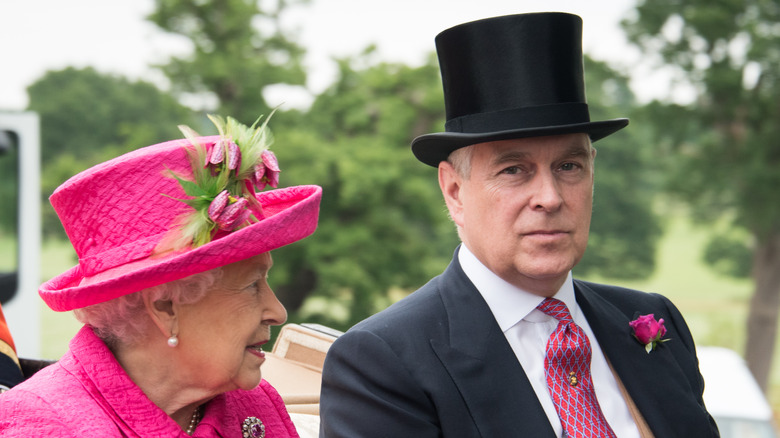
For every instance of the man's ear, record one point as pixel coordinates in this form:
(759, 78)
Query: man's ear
(163, 314)
(450, 183)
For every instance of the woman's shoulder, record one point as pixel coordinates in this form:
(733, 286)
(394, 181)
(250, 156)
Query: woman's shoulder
(52, 385)
(45, 405)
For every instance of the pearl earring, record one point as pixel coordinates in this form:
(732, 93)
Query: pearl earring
(173, 341)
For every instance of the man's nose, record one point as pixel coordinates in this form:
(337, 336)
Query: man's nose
(546, 192)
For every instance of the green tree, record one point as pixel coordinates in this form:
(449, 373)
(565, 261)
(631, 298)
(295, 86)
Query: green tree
(239, 48)
(624, 229)
(725, 143)
(88, 117)
(382, 229)
(83, 111)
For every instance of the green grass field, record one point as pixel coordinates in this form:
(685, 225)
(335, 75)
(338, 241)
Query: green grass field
(714, 306)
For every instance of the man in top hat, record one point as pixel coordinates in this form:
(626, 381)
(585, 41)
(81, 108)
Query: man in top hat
(504, 343)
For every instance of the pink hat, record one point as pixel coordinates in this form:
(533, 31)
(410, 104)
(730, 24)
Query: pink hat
(120, 216)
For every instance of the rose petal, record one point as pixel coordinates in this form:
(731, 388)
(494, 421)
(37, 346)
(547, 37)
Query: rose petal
(647, 330)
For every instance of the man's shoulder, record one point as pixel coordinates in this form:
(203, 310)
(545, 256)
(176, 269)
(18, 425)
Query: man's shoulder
(417, 308)
(610, 291)
(628, 300)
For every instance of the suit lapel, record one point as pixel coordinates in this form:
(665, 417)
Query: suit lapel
(483, 366)
(652, 380)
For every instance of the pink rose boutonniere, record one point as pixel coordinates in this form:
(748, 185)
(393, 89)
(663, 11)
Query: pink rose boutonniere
(648, 331)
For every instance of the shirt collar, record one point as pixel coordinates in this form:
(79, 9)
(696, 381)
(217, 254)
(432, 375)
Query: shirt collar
(509, 303)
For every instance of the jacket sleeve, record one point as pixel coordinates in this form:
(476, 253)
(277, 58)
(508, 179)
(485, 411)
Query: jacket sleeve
(368, 391)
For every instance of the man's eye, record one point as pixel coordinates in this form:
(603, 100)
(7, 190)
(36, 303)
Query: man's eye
(511, 170)
(568, 166)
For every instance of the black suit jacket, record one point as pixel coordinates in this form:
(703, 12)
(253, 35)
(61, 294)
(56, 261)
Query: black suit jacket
(436, 364)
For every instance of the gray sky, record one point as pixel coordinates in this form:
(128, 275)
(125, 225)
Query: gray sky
(113, 36)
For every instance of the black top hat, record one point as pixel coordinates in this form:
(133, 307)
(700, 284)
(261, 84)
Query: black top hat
(510, 77)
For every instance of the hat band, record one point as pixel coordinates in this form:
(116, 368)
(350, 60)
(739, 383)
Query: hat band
(542, 116)
(117, 256)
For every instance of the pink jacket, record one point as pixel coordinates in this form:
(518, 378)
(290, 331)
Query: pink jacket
(88, 394)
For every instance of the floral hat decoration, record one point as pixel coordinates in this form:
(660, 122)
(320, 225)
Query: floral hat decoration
(221, 191)
(167, 211)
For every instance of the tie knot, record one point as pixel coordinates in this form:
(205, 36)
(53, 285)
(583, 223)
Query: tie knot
(555, 308)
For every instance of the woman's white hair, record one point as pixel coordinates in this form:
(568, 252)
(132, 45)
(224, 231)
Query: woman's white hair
(124, 319)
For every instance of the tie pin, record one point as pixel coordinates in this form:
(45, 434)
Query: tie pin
(573, 379)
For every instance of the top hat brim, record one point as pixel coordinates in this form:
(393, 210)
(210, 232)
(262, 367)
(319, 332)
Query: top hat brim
(434, 148)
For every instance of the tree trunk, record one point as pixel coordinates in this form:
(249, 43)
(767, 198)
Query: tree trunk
(764, 308)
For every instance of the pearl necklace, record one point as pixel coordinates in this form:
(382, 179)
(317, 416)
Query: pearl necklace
(193, 421)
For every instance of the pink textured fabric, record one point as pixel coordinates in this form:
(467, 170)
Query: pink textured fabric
(116, 213)
(567, 367)
(87, 394)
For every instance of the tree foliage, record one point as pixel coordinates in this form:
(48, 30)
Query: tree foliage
(725, 144)
(239, 48)
(382, 223)
(88, 117)
(624, 228)
(384, 229)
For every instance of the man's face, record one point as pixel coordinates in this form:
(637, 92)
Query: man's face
(525, 208)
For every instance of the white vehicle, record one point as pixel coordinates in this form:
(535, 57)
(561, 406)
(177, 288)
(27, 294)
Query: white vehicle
(20, 228)
(732, 395)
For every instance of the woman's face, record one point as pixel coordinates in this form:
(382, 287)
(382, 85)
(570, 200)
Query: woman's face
(220, 336)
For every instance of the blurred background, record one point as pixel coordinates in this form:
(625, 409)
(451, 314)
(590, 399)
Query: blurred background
(686, 198)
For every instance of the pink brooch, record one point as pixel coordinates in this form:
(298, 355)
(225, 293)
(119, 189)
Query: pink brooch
(648, 331)
(253, 428)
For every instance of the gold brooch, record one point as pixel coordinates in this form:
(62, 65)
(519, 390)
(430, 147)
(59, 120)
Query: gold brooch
(573, 379)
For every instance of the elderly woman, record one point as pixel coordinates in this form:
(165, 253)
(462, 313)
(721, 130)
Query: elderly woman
(174, 253)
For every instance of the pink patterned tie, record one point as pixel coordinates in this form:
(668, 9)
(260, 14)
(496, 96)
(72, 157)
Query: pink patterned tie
(567, 367)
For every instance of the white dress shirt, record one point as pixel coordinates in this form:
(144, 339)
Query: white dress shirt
(527, 331)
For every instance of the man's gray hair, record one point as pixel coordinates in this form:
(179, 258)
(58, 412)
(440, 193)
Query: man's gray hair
(461, 161)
